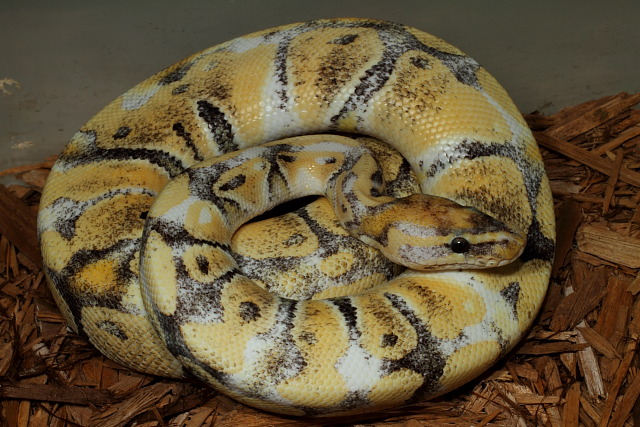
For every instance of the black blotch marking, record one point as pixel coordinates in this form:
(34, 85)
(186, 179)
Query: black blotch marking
(249, 311)
(218, 125)
(345, 40)
(425, 359)
(538, 245)
(281, 72)
(420, 62)
(175, 235)
(233, 183)
(179, 129)
(112, 328)
(286, 158)
(285, 208)
(374, 192)
(355, 399)
(404, 177)
(122, 132)
(197, 299)
(471, 150)
(203, 264)
(93, 153)
(377, 180)
(350, 314)
(176, 74)
(180, 89)
(295, 240)
(143, 215)
(511, 294)
(389, 340)
(309, 337)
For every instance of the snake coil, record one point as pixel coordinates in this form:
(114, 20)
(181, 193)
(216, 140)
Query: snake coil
(320, 351)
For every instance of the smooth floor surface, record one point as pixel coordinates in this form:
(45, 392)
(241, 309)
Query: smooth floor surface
(62, 61)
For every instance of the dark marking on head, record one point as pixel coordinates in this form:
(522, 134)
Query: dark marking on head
(122, 132)
(538, 245)
(249, 311)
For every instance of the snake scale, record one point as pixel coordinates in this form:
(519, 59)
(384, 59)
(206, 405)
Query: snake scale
(138, 216)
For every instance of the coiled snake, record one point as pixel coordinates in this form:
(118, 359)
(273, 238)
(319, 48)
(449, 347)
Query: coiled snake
(326, 350)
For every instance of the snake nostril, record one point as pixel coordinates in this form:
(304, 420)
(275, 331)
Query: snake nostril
(460, 245)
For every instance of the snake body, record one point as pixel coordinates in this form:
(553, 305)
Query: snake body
(202, 124)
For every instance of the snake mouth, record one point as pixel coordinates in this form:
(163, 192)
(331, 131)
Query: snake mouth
(493, 263)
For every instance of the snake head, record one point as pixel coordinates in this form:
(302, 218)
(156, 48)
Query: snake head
(433, 233)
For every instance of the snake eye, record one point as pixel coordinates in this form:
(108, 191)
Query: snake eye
(459, 245)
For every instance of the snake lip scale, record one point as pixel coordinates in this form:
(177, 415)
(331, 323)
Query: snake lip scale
(424, 259)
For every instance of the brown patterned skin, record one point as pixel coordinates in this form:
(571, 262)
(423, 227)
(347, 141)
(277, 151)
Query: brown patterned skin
(415, 337)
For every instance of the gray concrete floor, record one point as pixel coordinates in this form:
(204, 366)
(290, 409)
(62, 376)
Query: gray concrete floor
(71, 57)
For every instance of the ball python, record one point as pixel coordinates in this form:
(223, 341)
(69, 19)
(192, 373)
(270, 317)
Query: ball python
(188, 309)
